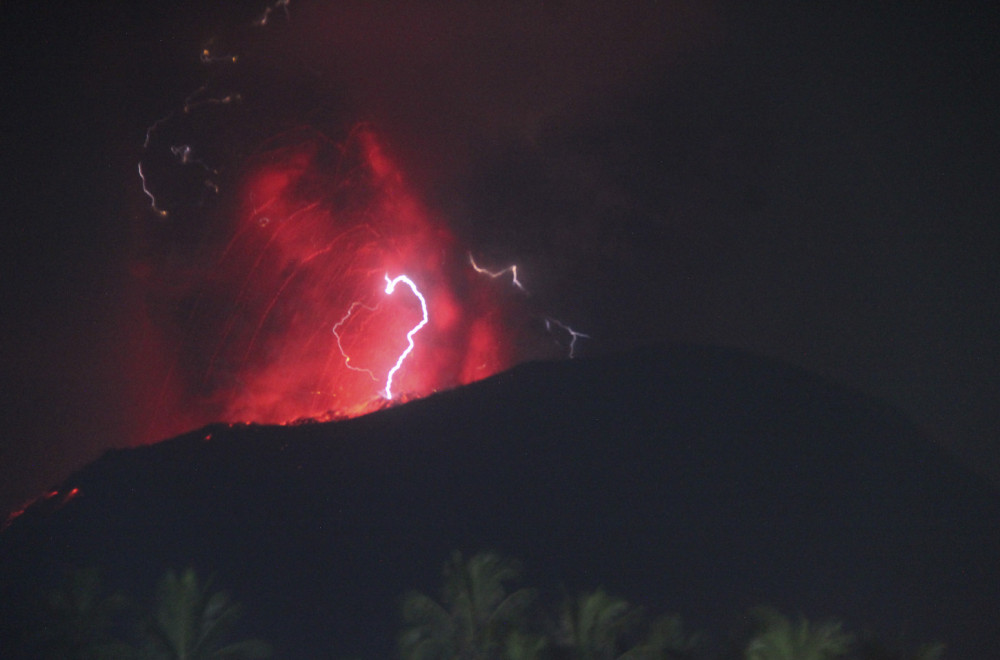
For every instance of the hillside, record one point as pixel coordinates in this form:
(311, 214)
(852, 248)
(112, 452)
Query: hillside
(694, 480)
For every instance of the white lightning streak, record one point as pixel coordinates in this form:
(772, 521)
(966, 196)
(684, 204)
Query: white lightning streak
(152, 200)
(153, 128)
(390, 286)
(495, 274)
(341, 322)
(549, 322)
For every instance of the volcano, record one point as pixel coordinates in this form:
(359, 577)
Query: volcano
(687, 479)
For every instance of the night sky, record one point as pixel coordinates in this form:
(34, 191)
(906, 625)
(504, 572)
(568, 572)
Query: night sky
(816, 185)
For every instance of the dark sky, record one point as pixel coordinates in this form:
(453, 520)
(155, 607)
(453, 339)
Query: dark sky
(815, 184)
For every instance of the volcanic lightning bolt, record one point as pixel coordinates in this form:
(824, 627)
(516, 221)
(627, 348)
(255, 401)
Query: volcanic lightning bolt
(152, 199)
(550, 323)
(390, 286)
(573, 334)
(340, 343)
(495, 274)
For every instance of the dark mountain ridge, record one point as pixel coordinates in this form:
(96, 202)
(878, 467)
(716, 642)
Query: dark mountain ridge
(695, 480)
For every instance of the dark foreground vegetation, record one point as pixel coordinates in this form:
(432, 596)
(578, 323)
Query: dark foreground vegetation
(186, 619)
(480, 614)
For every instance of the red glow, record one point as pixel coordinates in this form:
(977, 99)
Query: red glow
(291, 318)
(46, 503)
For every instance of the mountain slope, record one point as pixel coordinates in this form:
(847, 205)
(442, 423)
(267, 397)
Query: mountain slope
(690, 479)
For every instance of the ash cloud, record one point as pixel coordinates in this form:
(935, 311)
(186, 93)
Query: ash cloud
(452, 91)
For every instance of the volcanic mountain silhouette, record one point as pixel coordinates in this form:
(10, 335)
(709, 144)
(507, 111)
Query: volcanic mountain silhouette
(694, 480)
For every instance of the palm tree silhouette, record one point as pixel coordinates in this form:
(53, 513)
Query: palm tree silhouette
(476, 616)
(592, 626)
(78, 620)
(522, 645)
(780, 639)
(190, 622)
(666, 640)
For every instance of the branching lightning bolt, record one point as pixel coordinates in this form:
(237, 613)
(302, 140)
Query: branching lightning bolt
(390, 286)
(495, 274)
(340, 345)
(574, 335)
(551, 324)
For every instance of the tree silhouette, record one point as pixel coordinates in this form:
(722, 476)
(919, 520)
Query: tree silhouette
(666, 640)
(476, 615)
(592, 626)
(780, 639)
(189, 622)
(477, 619)
(521, 645)
(78, 620)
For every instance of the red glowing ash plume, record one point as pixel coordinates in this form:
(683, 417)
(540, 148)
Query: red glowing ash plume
(333, 290)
